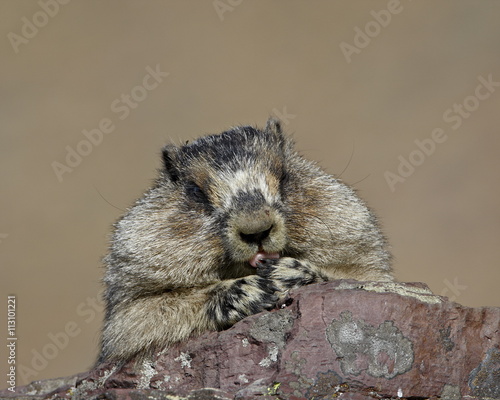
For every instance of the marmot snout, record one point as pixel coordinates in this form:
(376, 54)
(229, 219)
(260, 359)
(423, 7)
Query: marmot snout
(257, 231)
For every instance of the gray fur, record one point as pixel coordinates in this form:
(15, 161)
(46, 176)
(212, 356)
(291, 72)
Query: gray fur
(178, 262)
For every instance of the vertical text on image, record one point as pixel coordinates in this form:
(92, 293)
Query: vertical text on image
(11, 343)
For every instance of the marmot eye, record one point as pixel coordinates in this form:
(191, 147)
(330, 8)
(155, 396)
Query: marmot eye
(195, 192)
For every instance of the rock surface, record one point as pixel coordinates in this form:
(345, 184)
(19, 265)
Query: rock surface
(342, 339)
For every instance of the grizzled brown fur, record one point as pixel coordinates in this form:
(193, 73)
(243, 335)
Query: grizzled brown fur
(179, 258)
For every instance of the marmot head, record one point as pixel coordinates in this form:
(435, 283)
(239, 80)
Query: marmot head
(238, 180)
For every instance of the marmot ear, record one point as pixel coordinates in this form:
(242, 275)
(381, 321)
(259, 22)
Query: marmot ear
(274, 126)
(168, 155)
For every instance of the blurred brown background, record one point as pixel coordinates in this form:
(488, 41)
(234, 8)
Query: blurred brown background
(369, 79)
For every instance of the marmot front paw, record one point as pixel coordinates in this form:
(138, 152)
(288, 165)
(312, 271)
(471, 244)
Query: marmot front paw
(288, 273)
(241, 298)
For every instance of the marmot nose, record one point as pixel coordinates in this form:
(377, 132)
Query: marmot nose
(256, 237)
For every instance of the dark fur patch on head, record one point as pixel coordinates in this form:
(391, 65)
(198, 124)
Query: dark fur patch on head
(232, 148)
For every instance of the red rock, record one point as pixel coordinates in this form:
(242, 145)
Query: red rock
(345, 339)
